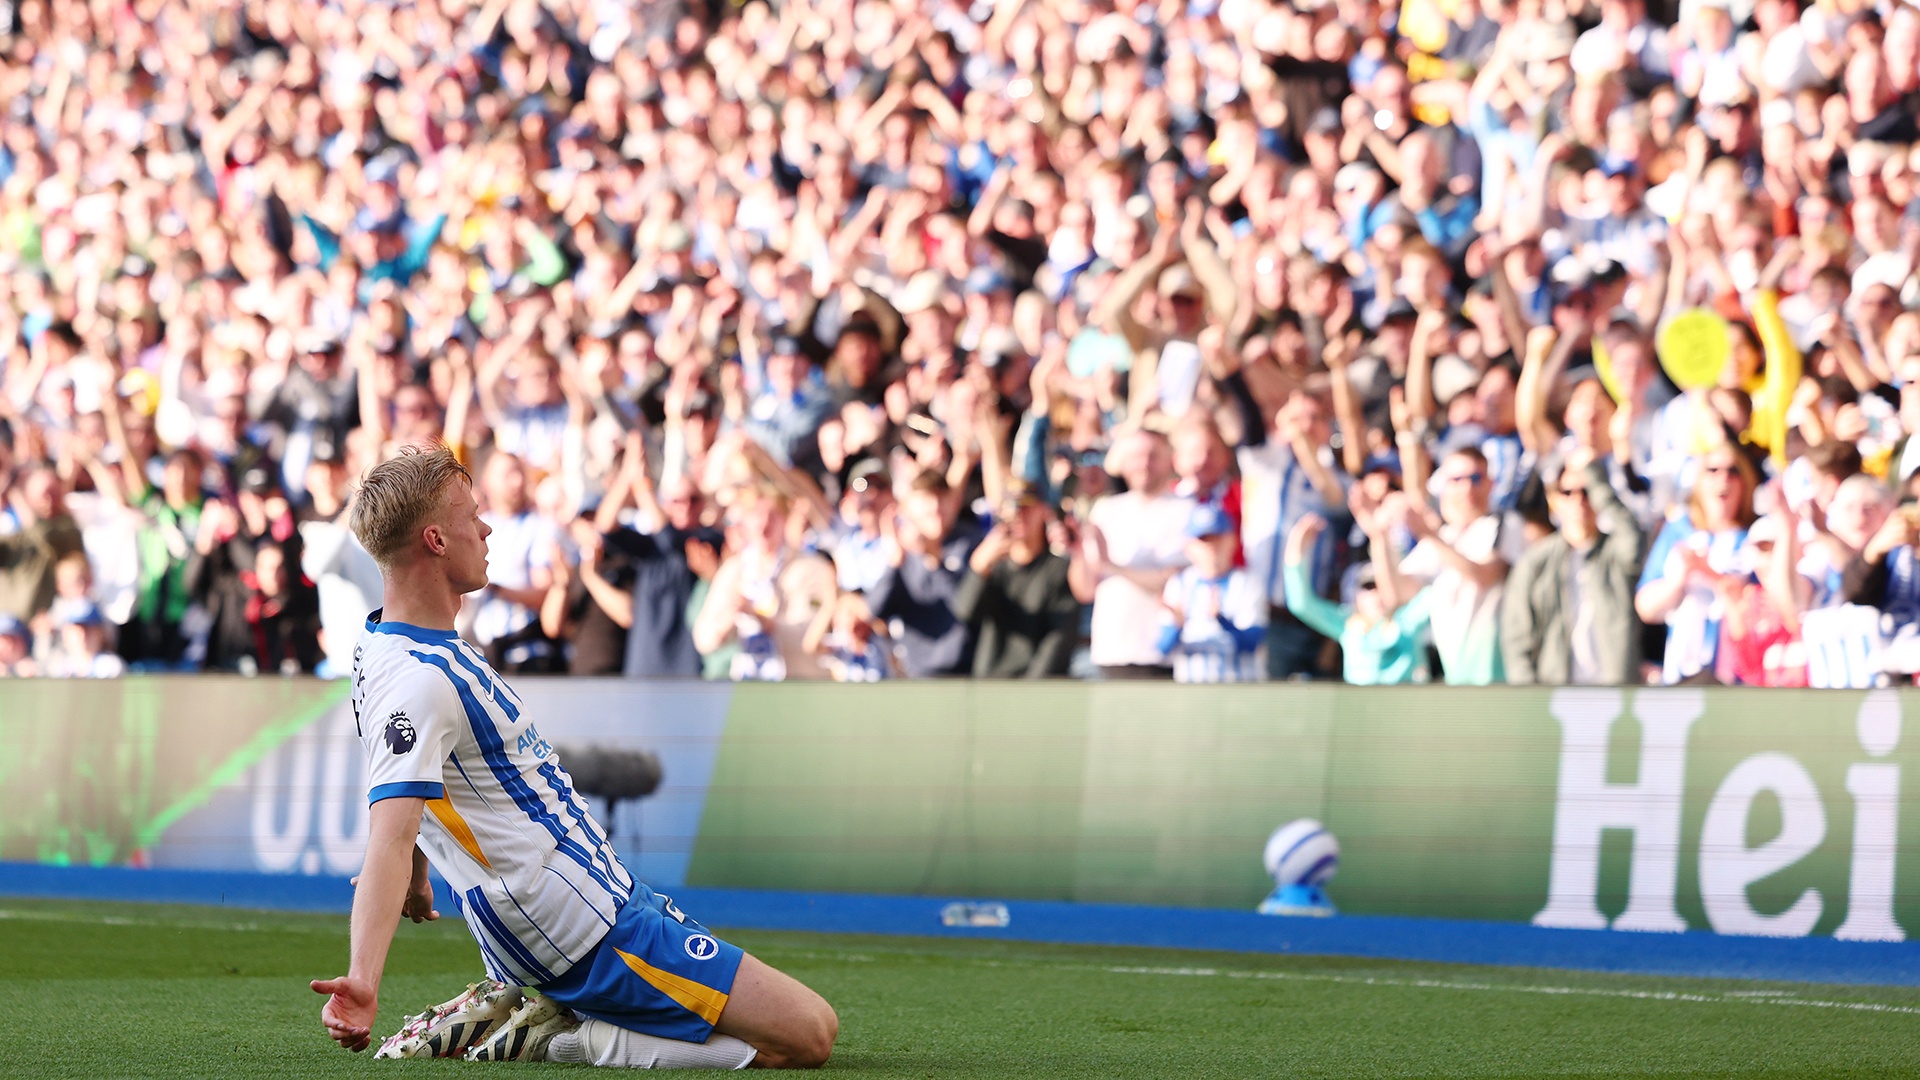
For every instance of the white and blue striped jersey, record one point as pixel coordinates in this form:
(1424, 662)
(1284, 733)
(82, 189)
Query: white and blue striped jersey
(529, 867)
(1225, 628)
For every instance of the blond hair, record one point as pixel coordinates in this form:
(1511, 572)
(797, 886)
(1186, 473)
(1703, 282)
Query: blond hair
(395, 496)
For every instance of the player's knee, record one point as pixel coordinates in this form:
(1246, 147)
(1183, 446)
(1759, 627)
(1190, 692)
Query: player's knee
(829, 1032)
(812, 1042)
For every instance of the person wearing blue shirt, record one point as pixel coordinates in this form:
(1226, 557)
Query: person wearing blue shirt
(1445, 216)
(790, 405)
(1215, 622)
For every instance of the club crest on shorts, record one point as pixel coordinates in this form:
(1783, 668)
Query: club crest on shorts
(702, 947)
(399, 733)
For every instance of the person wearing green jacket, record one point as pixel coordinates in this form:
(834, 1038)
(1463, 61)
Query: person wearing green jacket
(1568, 613)
(155, 634)
(1380, 641)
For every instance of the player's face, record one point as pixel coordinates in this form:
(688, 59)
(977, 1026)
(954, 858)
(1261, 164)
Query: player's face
(466, 537)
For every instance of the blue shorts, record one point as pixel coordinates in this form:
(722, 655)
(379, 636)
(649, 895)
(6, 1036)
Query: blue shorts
(656, 972)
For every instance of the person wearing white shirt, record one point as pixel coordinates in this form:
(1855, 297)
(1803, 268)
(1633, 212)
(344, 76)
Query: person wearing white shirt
(1135, 543)
(519, 572)
(1293, 472)
(1465, 560)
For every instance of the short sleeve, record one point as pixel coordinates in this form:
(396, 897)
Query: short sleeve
(408, 727)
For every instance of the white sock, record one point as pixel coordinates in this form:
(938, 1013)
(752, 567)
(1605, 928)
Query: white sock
(600, 1043)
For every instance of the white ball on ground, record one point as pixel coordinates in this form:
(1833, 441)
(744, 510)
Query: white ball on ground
(1302, 852)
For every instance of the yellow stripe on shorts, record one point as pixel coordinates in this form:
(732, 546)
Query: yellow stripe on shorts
(702, 1001)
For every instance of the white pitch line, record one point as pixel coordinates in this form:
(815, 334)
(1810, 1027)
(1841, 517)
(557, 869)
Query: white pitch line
(7, 914)
(1742, 997)
(1728, 997)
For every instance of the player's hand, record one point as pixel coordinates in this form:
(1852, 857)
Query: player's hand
(418, 905)
(349, 1012)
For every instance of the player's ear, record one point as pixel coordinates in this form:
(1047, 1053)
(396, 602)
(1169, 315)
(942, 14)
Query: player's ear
(435, 538)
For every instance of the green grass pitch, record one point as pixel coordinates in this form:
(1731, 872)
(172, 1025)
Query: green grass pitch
(97, 991)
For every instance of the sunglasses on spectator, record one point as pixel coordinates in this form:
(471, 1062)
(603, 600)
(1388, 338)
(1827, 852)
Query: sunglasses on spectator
(1467, 478)
(1573, 493)
(1719, 470)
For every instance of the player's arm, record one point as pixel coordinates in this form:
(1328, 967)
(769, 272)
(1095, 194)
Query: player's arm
(387, 879)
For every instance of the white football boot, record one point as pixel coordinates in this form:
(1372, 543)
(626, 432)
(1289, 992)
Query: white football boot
(525, 1035)
(448, 1030)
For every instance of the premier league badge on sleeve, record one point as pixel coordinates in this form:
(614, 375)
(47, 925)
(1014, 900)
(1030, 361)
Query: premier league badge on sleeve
(399, 733)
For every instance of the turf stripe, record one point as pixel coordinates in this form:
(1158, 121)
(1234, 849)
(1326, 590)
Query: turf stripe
(1766, 997)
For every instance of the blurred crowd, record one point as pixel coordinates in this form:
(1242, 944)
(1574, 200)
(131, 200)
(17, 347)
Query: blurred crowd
(1526, 341)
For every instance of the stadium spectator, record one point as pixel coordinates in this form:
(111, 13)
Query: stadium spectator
(1290, 471)
(283, 613)
(851, 646)
(765, 597)
(1382, 641)
(44, 534)
(855, 537)
(519, 570)
(1016, 596)
(345, 578)
(16, 649)
(591, 640)
(1763, 635)
(1214, 622)
(1463, 554)
(166, 619)
(927, 549)
(666, 550)
(81, 650)
(1696, 563)
(1568, 616)
(1132, 545)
